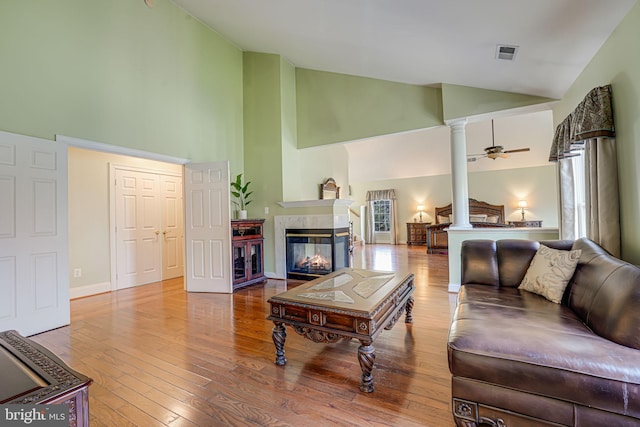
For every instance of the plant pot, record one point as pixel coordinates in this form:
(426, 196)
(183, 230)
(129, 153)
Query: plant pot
(242, 214)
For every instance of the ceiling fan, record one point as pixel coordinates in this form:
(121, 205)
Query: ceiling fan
(495, 151)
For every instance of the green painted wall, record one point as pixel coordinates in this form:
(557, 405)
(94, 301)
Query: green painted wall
(120, 73)
(463, 101)
(291, 162)
(264, 125)
(337, 107)
(618, 63)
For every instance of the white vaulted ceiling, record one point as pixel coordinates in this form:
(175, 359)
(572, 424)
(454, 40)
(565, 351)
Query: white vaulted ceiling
(429, 42)
(425, 42)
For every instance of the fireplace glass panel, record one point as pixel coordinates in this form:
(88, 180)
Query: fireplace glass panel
(310, 255)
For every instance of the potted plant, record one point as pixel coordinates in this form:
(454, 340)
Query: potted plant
(241, 193)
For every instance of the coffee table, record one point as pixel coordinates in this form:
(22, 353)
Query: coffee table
(348, 303)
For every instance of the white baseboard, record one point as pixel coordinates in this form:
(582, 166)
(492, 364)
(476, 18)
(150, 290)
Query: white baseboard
(87, 290)
(454, 287)
(272, 275)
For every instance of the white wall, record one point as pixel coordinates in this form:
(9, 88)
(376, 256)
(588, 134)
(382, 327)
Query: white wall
(89, 247)
(417, 165)
(536, 185)
(427, 152)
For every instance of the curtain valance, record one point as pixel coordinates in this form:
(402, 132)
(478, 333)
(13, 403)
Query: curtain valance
(381, 195)
(592, 118)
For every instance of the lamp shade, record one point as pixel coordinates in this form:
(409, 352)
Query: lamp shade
(420, 208)
(522, 204)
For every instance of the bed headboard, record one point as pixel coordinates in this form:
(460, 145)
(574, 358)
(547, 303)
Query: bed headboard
(475, 208)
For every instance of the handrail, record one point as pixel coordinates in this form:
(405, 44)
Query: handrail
(354, 212)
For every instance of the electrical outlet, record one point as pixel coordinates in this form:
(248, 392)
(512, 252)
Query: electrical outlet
(77, 272)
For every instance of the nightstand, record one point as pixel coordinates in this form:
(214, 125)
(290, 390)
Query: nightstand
(534, 223)
(417, 233)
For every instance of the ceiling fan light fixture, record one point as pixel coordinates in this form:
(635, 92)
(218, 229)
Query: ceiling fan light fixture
(494, 149)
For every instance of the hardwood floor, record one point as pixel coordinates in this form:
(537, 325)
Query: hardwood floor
(161, 357)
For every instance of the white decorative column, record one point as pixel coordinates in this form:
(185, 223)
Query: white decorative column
(459, 183)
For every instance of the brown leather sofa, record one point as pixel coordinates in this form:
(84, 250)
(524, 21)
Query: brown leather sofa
(517, 359)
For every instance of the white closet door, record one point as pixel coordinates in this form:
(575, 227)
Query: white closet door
(138, 224)
(34, 258)
(172, 227)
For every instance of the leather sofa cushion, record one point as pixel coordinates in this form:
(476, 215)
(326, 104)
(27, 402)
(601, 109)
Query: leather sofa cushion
(559, 358)
(501, 263)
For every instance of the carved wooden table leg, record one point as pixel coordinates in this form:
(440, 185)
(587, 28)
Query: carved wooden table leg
(367, 358)
(279, 335)
(409, 308)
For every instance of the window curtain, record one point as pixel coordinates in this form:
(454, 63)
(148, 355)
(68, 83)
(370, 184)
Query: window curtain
(589, 132)
(381, 195)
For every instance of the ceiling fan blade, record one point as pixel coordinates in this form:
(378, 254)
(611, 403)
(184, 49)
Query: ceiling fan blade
(475, 157)
(517, 150)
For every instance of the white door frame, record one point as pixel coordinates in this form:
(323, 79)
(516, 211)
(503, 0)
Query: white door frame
(113, 167)
(125, 151)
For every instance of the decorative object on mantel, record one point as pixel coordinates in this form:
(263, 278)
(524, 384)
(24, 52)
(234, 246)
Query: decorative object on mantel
(329, 190)
(241, 192)
(522, 204)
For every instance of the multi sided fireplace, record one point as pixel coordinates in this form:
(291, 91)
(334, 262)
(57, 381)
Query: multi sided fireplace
(311, 253)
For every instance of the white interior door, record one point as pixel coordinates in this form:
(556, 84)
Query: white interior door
(34, 253)
(208, 228)
(138, 225)
(172, 227)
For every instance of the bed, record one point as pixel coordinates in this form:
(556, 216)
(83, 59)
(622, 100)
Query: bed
(481, 215)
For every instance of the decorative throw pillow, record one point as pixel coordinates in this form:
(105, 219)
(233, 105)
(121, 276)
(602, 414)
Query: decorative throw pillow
(550, 272)
(478, 218)
(443, 219)
(493, 219)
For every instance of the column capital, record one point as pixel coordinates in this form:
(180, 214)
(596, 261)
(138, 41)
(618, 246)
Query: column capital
(456, 123)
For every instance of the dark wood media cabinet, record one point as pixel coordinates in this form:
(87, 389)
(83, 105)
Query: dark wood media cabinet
(248, 257)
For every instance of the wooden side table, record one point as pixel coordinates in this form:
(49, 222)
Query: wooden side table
(31, 374)
(528, 223)
(417, 233)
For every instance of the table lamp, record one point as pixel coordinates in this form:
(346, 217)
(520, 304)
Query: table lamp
(522, 204)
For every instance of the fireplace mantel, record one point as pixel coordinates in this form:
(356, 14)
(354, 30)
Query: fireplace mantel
(316, 203)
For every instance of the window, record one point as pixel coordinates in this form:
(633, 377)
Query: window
(579, 188)
(381, 215)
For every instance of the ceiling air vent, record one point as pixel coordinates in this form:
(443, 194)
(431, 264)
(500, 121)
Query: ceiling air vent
(507, 52)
